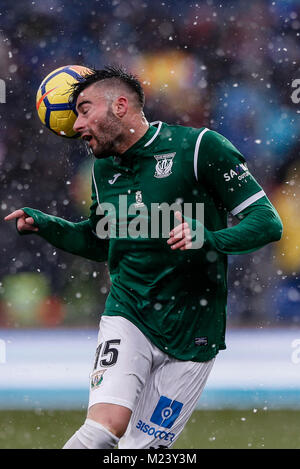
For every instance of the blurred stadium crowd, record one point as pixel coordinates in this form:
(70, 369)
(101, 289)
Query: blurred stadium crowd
(228, 65)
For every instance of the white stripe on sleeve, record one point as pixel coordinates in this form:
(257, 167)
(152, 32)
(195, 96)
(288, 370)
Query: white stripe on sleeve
(247, 202)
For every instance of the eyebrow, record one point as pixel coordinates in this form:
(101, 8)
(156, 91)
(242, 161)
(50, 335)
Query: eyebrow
(82, 103)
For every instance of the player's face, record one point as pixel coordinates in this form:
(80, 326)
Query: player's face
(96, 122)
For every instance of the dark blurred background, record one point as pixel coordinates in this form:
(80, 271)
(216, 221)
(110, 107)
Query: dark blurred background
(228, 65)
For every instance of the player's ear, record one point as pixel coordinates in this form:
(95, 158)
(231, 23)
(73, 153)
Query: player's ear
(120, 106)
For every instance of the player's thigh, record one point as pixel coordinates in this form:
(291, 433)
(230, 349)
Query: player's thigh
(166, 404)
(122, 363)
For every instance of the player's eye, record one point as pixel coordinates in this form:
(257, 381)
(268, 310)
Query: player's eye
(84, 110)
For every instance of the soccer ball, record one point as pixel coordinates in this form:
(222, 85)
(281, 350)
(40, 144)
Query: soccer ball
(52, 100)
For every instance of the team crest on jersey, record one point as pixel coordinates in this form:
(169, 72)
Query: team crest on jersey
(97, 378)
(139, 200)
(164, 165)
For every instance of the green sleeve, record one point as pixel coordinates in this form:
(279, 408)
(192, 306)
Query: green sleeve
(223, 170)
(76, 238)
(259, 225)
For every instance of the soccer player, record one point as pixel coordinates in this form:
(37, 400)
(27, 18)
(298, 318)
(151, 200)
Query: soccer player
(164, 318)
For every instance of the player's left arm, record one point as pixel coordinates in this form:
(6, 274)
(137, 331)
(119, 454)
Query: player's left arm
(222, 168)
(259, 225)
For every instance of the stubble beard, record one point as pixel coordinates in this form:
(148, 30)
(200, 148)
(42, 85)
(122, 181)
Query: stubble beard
(108, 137)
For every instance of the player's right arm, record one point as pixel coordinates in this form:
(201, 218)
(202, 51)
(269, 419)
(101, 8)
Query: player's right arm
(76, 238)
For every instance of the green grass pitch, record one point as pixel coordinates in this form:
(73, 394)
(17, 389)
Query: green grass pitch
(232, 429)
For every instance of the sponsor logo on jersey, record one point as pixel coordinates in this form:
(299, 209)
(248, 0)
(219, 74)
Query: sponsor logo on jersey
(164, 165)
(97, 378)
(153, 431)
(241, 171)
(114, 178)
(166, 412)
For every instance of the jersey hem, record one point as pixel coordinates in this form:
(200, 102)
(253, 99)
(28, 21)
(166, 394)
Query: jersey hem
(205, 357)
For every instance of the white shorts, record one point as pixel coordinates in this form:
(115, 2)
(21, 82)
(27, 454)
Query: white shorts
(161, 391)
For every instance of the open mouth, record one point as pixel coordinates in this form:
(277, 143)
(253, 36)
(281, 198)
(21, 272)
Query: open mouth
(86, 137)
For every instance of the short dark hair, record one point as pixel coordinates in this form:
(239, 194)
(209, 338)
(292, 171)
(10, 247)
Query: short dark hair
(107, 73)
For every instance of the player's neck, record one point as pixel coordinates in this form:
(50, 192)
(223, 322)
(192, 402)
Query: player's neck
(132, 133)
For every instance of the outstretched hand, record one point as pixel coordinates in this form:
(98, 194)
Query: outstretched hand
(180, 236)
(24, 222)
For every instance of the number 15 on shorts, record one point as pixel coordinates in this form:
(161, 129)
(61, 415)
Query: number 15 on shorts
(109, 355)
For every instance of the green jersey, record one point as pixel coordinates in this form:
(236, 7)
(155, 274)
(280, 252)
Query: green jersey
(176, 298)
